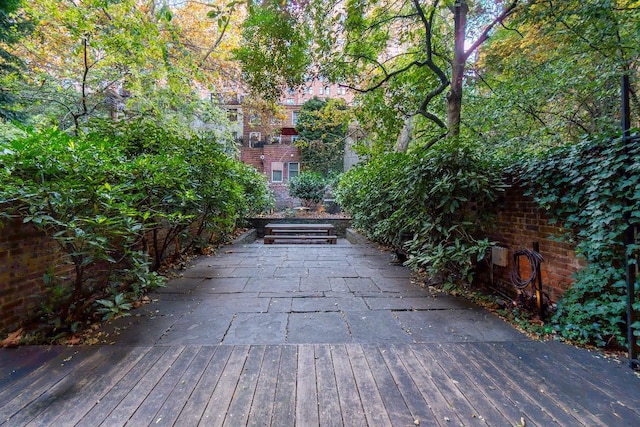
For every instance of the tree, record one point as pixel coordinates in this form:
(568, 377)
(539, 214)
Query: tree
(275, 50)
(14, 24)
(368, 45)
(554, 74)
(322, 127)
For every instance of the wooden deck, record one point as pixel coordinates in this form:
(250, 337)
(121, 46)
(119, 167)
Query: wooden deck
(317, 384)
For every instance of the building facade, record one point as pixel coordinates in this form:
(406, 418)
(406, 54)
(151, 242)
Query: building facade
(268, 137)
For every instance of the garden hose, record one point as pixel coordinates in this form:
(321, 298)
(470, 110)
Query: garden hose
(534, 262)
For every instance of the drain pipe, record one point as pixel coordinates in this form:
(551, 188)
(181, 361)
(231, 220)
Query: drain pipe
(629, 235)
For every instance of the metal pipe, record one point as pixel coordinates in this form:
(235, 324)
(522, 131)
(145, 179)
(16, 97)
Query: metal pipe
(629, 234)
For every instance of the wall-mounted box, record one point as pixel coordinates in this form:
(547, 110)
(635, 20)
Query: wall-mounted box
(499, 256)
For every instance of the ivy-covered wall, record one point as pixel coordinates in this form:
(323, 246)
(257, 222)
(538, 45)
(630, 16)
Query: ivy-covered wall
(519, 223)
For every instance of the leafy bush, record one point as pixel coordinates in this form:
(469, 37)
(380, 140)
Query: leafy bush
(113, 197)
(433, 205)
(592, 187)
(308, 186)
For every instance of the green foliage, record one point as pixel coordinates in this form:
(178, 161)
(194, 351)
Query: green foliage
(433, 205)
(308, 186)
(592, 187)
(322, 128)
(116, 307)
(557, 76)
(113, 197)
(275, 49)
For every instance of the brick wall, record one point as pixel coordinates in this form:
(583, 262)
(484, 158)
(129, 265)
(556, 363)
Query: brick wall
(263, 159)
(520, 223)
(25, 256)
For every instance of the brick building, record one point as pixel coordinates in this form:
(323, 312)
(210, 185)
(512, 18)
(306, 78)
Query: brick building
(267, 138)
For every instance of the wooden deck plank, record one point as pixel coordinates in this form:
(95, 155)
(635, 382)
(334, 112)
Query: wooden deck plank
(181, 394)
(444, 411)
(139, 391)
(421, 411)
(18, 363)
(87, 385)
(306, 393)
(438, 373)
(263, 400)
(240, 405)
(119, 391)
(193, 410)
(395, 405)
(587, 368)
(328, 403)
(537, 407)
(374, 409)
(497, 399)
(28, 397)
(285, 399)
(596, 404)
(147, 411)
(352, 410)
(218, 405)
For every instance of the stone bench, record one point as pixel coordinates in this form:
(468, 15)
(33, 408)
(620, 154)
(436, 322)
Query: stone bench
(309, 238)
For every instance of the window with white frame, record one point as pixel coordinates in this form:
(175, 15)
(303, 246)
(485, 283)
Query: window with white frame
(327, 90)
(254, 119)
(294, 117)
(276, 171)
(321, 91)
(294, 169)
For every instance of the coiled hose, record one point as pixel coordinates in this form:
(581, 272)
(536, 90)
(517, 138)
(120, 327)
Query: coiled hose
(534, 262)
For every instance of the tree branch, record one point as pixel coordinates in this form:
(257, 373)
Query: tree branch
(485, 33)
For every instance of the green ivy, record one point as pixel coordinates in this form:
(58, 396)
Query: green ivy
(592, 188)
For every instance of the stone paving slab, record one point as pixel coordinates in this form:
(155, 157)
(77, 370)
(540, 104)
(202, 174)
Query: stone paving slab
(292, 294)
(286, 335)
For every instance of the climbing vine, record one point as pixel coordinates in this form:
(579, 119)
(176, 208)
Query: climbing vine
(592, 188)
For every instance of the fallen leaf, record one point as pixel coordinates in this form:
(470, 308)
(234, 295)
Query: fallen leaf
(13, 339)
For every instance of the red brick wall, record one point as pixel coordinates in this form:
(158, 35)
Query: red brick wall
(281, 153)
(519, 224)
(25, 256)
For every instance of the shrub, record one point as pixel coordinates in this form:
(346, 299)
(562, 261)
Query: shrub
(433, 205)
(308, 186)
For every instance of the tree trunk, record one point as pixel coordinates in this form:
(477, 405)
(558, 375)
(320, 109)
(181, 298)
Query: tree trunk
(454, 97)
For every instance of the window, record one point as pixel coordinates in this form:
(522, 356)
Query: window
(254, 138)
(233, 116)
(276, 171)
(276, 139)
(294, 168)
(254, 118)
(321, 91)
(294, 118)
(327, 91)
(310, 90)
(289, 101)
